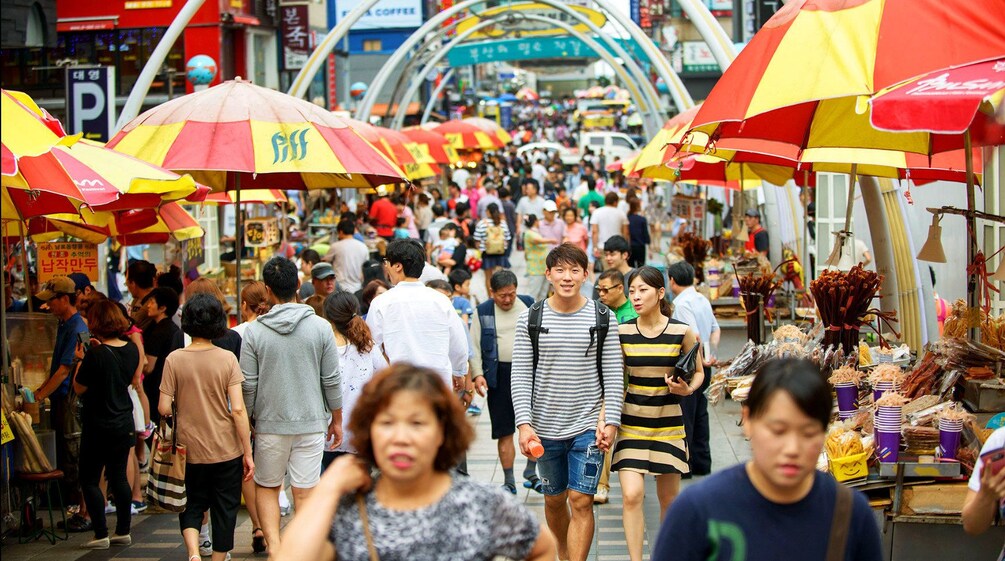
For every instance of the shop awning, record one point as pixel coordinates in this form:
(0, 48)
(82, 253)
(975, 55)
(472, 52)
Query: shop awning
(87, 24)
(247, 20)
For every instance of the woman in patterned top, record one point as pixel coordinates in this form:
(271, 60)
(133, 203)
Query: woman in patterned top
(409, 426)
(651, 437)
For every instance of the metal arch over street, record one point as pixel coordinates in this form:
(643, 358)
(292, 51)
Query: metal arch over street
(436, 94)
(651, 126)
(679, 93)
(653, 116)
(433, 23)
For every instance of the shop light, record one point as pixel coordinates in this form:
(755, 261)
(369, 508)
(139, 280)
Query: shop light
(932, 250)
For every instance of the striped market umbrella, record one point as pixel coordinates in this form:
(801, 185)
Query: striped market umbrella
(255, 196)
(433, 143)
(813, 50)
(127, 227)
(492, 128)
(466, 136)
(396, 147)
(238, 135)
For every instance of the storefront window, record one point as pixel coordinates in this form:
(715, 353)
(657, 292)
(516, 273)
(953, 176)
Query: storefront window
(40, 71)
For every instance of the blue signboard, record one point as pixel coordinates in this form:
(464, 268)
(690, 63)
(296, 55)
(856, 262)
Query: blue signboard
(635, 9)
(531, 49)
(506, 116)
(90, 101)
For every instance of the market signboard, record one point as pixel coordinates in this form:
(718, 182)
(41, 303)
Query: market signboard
(530, 28)
(385, 14)
(58, 259)
(261, 232)
(296, 36)
(193, 253)
(501, 50)
(698, 57)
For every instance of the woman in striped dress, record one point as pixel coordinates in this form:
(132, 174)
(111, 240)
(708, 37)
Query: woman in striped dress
(651, 437)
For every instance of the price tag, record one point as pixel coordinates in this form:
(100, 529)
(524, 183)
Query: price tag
(5, 433)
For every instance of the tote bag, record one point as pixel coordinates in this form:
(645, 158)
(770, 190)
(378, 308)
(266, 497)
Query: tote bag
(166, 487)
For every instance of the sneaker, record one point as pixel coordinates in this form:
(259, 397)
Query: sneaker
(600, 498)
(284, 510)
(110, 508)
(510, 488)
(206, 548)
(121, 540)
(474, 410)
(96, 544)
(139, 506)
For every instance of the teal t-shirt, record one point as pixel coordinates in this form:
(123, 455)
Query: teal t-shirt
(584, 202)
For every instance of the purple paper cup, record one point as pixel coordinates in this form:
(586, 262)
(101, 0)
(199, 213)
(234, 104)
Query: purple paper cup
(949, 444)
(847, 395)
(887, 446)
(845, 415)
(882, 387)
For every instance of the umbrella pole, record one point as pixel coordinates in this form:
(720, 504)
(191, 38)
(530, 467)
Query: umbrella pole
(24, 261)
(238, 241)
(971, 230)
(808, 268)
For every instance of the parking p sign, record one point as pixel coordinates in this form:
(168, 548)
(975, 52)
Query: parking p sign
(90, 101)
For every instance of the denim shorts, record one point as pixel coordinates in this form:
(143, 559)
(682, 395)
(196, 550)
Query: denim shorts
(572, 463)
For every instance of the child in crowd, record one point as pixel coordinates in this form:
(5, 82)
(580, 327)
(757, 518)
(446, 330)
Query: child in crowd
(460, 294)
(400, 231)
(444, 248)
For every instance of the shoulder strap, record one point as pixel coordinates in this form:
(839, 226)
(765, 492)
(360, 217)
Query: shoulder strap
(534, 330)
(840, 524)
(370, 547)
(600, 329)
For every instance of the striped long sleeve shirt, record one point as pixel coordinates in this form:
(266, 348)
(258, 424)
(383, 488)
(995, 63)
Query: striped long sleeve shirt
(566, 391)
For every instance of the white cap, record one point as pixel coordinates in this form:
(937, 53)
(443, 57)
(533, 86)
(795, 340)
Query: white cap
(550, 206)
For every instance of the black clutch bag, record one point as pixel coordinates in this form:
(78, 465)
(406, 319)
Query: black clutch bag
(687, 364)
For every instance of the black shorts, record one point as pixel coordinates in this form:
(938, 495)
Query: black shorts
(500, 401)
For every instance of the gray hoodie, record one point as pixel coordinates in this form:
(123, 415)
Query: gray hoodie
(291, 377)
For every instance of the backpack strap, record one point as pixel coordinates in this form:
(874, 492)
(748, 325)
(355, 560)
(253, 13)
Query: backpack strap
(534, 330)
(599, 333)
(840, 525)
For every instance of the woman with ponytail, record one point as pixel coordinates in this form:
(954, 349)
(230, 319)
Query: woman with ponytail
(651, 439)
(254, 302)
(358, 359)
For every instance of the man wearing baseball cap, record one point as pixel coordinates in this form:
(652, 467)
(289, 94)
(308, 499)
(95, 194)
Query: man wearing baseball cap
(757, 236)
(60, 295)
(323, 279)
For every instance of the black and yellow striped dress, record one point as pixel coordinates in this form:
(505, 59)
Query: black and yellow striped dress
(651, 437)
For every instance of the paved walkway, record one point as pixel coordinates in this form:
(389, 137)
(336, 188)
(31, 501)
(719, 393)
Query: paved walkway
(157, 537)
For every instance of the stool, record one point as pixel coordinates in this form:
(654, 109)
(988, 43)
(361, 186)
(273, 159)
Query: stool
(44, 483)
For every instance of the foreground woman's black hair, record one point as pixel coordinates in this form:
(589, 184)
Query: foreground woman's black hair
(799, 378)
(203, 317)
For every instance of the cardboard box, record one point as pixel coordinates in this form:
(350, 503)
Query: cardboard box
(937, 498)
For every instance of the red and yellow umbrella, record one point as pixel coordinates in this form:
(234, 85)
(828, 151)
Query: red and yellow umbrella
(239, 134)
(813, 50)
(949, 101)
(27, 130)
(492, 128)
(466, 136)
(422, 164)
(434, 143)
(259, 196)
(128, 227)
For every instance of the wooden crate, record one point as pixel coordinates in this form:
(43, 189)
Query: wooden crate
(937, 498)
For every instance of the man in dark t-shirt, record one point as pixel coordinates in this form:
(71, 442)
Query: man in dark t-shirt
(158, 340)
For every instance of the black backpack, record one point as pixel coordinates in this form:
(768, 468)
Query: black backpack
(598, 333)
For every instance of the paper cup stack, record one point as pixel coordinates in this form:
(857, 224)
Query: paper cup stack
(847, 395)
(887, 423)
(880, 388)
(949, 438)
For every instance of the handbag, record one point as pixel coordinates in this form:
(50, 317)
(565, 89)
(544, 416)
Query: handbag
(687, 364)
(166, 487)
(139, 425)
(370, 547)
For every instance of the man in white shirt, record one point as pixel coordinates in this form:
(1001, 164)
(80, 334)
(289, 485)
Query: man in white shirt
(414, 323)
(538, 171)
(347, 256)
(695, 310)
(529, 204)
(606, 222)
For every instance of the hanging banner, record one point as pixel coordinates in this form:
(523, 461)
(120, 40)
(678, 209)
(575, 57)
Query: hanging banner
(5, 433)
(90, 101)
(296, 36)
(58, 259)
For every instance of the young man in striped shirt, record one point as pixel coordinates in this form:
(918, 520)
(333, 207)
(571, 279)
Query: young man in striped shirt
(565, 405)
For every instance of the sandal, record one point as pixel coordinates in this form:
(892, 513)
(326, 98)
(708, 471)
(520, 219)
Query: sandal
(257, 542)
(534, 482)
